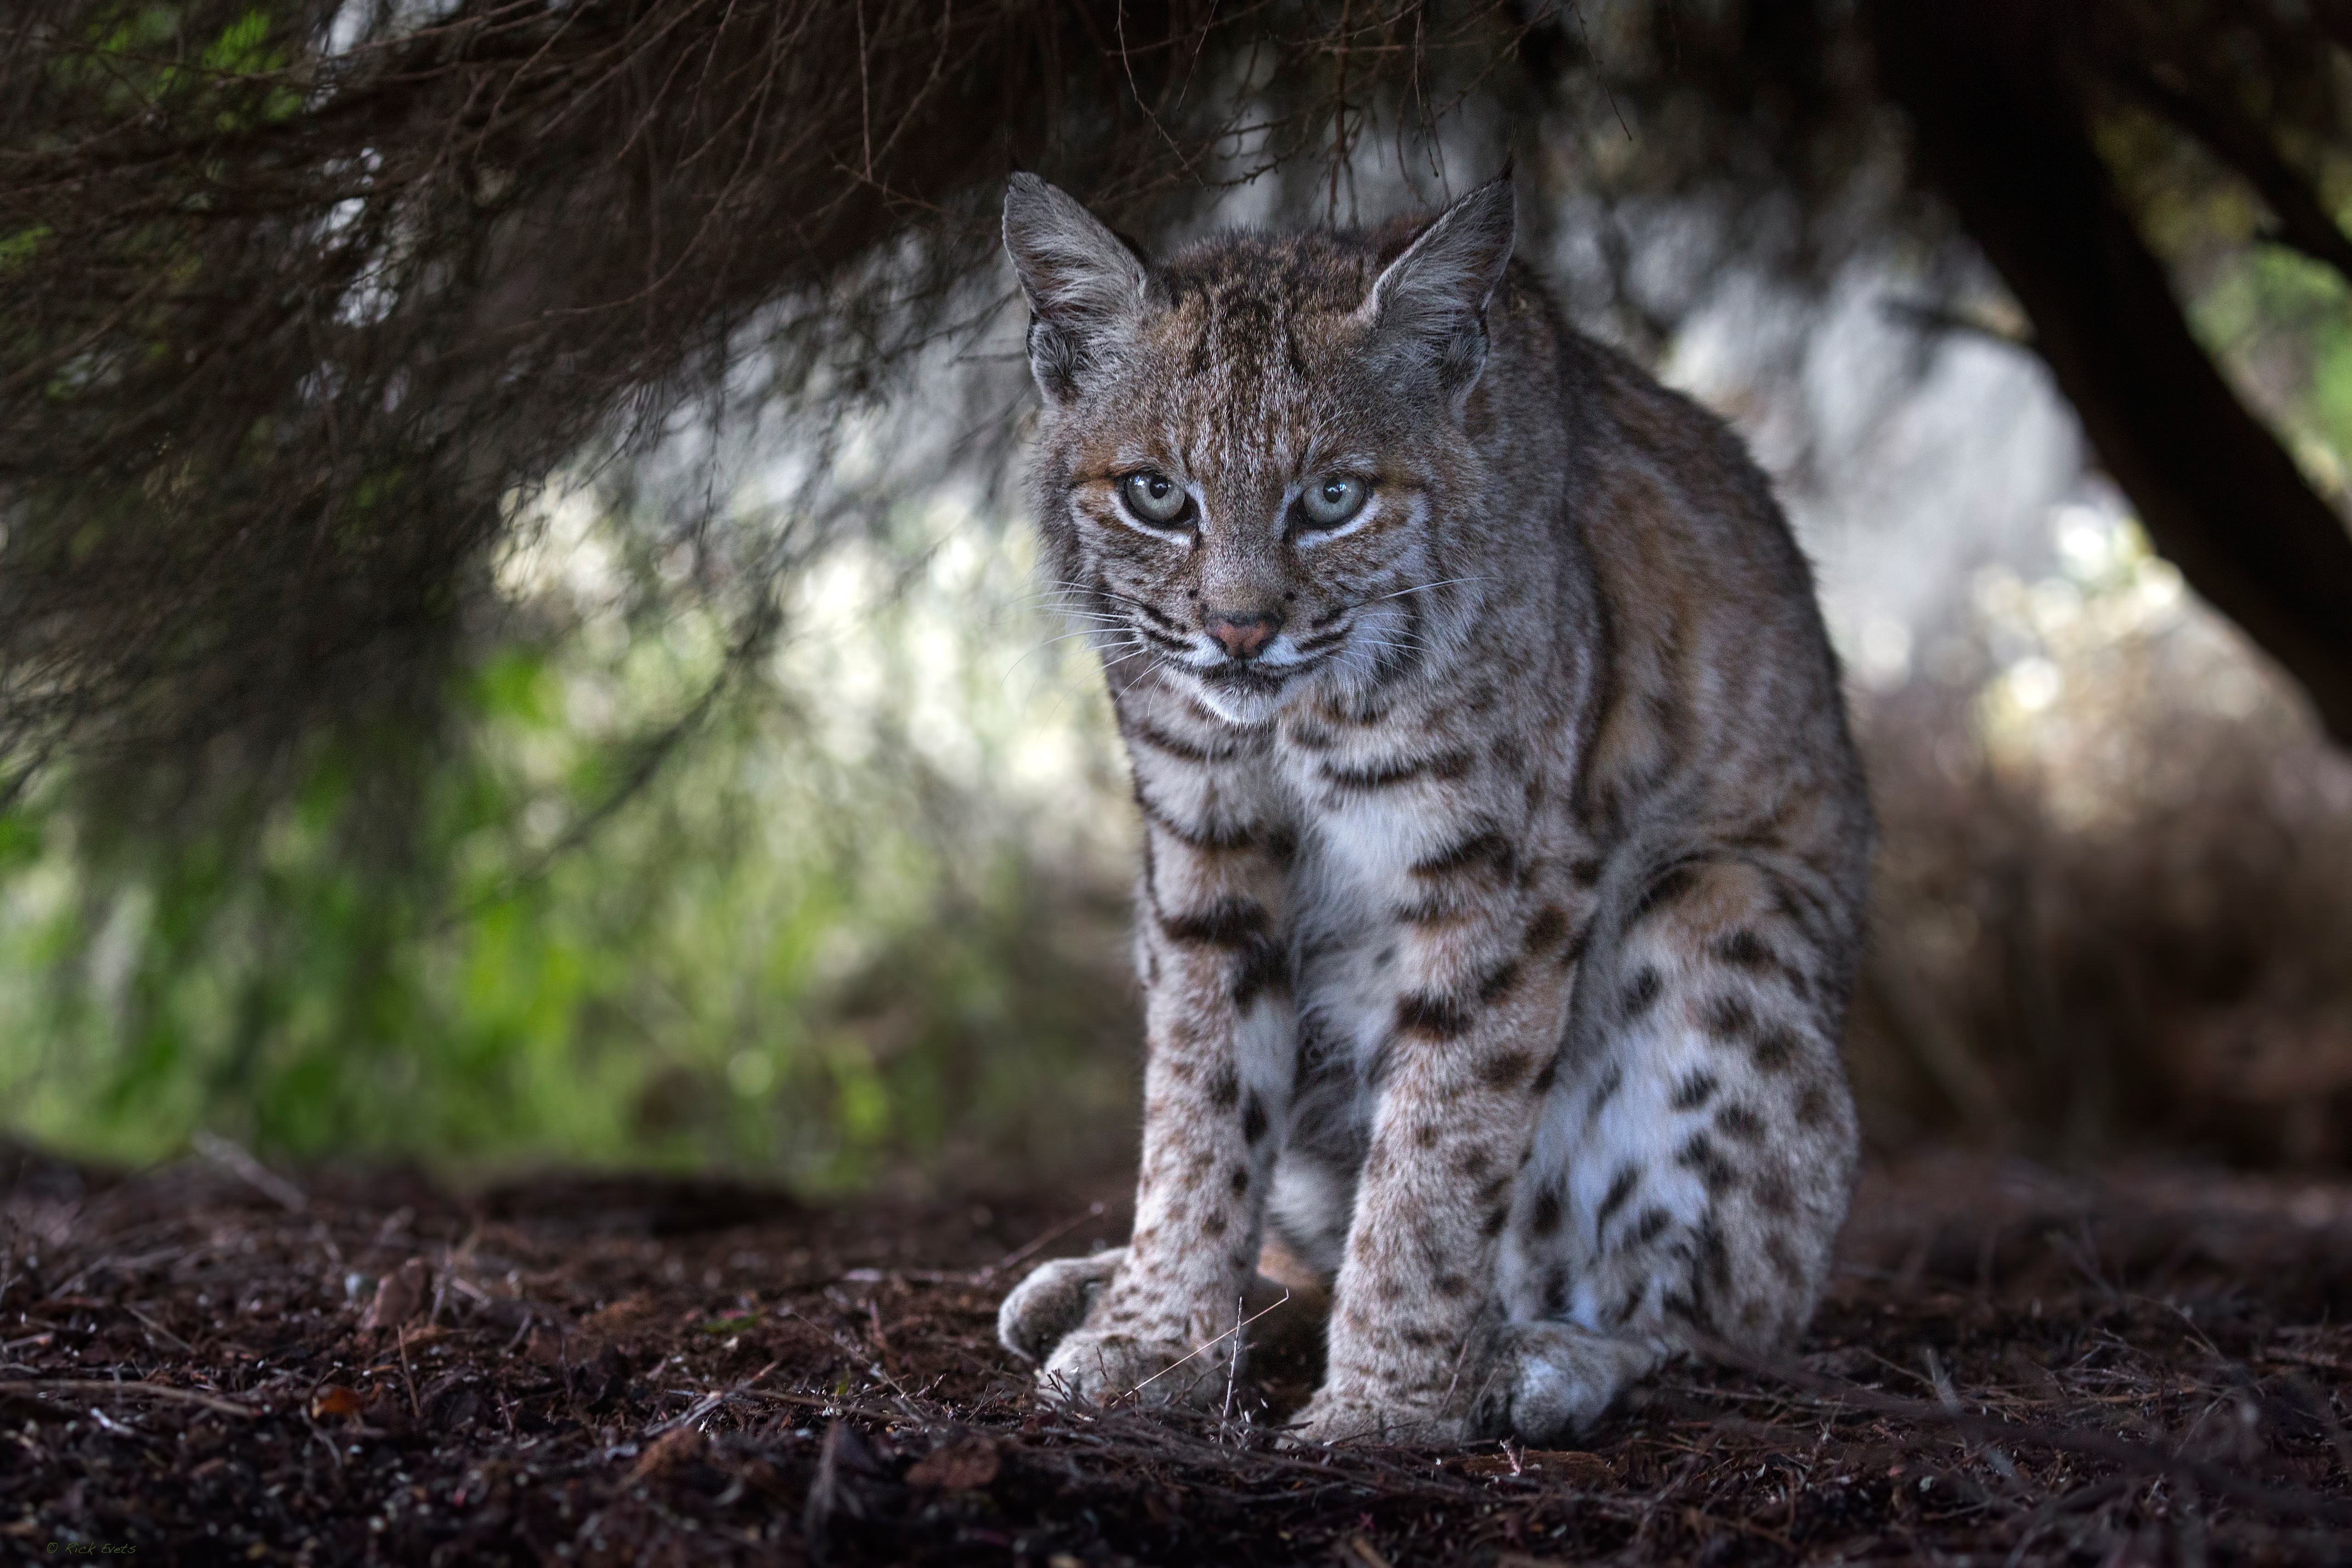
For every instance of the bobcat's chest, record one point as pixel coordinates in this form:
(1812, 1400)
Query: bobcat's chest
(1355, 891)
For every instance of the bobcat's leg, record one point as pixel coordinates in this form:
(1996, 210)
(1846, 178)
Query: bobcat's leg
(1692, 1166)
(1462, 1067)
(1218, 1021)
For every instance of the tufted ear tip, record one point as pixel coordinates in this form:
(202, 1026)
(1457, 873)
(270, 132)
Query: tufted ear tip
(1429, 306)
(1085, 288)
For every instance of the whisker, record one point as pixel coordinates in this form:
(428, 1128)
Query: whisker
(1424, 587)
(1049, 642)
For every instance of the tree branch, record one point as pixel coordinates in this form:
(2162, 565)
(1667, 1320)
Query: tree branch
(2000, 131)
(2304, 224)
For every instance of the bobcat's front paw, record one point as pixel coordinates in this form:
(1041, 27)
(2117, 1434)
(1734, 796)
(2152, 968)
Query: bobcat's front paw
(1043, 1308)
(1106, 1364)
(1341, 1416)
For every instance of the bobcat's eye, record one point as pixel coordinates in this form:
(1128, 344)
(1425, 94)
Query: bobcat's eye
(1332, 501)
(1154, 498)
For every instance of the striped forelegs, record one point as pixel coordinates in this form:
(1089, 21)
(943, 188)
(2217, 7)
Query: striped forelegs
(1219, 1022)
(1469, 1060)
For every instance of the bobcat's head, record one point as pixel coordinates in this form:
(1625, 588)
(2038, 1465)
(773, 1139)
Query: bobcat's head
(1258, 454)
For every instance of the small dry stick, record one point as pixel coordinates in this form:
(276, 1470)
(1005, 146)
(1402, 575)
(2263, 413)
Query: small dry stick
(1233, 1332)
(88, 1385)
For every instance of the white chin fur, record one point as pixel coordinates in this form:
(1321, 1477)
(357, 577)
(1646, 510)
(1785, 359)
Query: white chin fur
(1245, 708)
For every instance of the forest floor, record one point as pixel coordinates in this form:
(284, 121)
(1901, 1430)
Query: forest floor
(212, 1364)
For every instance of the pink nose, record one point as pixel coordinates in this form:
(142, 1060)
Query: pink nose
(1243, 635)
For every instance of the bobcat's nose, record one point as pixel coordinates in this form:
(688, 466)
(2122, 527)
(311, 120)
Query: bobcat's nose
(1244, 633)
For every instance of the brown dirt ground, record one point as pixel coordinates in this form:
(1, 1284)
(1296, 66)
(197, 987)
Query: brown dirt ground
(2131, 1366)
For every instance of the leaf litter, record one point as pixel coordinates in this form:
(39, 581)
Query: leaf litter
(2135, 1365)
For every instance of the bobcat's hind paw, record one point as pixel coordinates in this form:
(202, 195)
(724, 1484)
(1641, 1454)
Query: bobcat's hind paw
(1545, 1381)
(1045, 1308)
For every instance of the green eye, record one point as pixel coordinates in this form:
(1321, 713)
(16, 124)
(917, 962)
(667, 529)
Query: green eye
(1154, 498)
(1330, 501)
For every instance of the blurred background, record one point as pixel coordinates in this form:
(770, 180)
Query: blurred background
(523, 643)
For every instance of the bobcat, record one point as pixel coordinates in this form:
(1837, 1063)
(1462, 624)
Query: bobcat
(1505, 848)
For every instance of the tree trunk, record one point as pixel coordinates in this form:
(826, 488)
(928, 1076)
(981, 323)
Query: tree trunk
(2000, 133)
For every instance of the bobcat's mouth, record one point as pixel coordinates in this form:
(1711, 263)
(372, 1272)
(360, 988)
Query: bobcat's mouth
(1239, 676)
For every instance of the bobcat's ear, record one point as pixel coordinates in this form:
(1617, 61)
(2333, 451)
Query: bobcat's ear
(1428, 311)
(1085, 288)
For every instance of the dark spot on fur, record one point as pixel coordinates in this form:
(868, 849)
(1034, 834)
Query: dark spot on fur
(1426, 1136)
(1777, 1047)
(1226, 1090)
(1206, 838)
(1281, 844)
(1489, 849)
(1241, 1180)
(1546, 1078)
(1740, 1122)
(1700, 1155)
(1543, 1220)
(1652, 1225)
(1573, 954)
(1640, 993)
(1586, 871)
(1549, 925)
(1622, 1312)
(1497, 983)
(1254, 1120)
(1472, 1164)
(1496, 1218)
(1555, 1290)
(1452, 1285)
(1228, 923)
(1744, 950)
(1213, 1223)
(1729, 1019)
(1694, 1092)
(1388, 775)
(1774, 1194)
(1784, 1261)
(1813, 1107)
(1505, 1069)
(1435, 1016)
(1620, 1188)
(1511, 753)
(1264, 967)
(1605, 1091)
(1668, 887)
(1159, 739)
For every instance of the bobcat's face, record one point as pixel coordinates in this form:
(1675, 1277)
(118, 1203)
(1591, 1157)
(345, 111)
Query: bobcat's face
(1257, 516)
(1251, 449)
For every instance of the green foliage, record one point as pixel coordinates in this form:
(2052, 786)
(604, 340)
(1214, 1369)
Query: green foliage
(806, 947)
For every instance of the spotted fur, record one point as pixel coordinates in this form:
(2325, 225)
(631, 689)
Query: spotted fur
(1505, 849)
